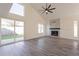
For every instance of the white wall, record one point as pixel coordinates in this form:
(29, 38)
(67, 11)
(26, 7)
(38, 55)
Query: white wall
(67, 27)
(31, 20)
(68, 13)
(55, 23)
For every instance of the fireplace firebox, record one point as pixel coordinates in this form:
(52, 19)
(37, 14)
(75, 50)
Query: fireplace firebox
(54, 33)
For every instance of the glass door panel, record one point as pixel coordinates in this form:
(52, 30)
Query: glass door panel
(19, 30)
(7, 31)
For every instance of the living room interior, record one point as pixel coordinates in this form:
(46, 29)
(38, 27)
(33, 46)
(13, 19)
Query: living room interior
(39, 29)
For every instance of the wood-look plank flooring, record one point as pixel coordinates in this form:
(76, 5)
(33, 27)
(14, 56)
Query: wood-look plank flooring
(45, 46)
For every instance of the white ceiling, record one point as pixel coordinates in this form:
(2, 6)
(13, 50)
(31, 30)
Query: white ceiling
(61, 10)
(38, 7)
(4, 8)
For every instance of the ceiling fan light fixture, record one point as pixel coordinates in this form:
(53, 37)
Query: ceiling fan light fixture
(46, 11)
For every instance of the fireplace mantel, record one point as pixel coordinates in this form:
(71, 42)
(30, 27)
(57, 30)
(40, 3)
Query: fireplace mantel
(54, 28)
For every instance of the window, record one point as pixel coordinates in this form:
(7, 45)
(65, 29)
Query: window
(7, 31)
(19, 30)
(11, 30)
(40, 28)
(75, 28)
(17, 9)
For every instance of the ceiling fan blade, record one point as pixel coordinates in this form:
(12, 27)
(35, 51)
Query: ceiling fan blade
(49, 6)
(52, 9)
(43, 7)
(43, 12)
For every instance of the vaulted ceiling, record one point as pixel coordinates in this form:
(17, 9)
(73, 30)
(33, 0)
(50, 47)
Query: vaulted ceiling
(4, 8)
(61, 10)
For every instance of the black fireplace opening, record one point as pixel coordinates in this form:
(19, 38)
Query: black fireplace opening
(54, 33)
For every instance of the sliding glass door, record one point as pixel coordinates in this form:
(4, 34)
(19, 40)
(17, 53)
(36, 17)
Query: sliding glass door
(11, 30)
(19, 30)
(7, 31)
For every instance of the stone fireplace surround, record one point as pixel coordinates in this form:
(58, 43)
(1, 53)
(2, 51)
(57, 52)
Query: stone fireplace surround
(54, 31)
